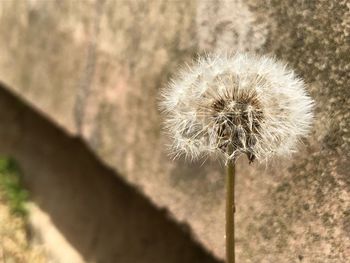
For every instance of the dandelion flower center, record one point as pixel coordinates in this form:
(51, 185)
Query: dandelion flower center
(236, 117)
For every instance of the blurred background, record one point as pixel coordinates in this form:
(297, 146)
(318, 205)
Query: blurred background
(84, 170)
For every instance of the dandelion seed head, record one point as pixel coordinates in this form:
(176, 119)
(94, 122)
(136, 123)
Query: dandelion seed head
(232, 105)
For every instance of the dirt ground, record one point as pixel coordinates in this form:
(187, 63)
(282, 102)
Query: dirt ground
(14, 244)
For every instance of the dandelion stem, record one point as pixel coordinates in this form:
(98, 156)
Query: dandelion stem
(230, 211)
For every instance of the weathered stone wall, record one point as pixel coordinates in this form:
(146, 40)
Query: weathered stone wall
(95, 68)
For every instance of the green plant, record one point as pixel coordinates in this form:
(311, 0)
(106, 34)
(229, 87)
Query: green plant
(11, 189)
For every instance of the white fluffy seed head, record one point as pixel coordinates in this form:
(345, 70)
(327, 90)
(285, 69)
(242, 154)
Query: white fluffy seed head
(230, 105)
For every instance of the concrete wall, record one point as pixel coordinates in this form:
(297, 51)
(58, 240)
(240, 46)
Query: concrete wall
(95, 68)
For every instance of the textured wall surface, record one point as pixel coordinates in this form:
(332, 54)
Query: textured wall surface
(95, 68)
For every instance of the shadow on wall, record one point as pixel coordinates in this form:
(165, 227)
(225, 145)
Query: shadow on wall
(101, 216)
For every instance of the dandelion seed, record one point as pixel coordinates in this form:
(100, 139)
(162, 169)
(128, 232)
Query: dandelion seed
(234, 105)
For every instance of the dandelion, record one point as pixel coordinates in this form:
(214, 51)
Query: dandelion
(229, 106)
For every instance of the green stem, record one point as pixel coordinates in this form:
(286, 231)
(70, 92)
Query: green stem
(230, 210)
